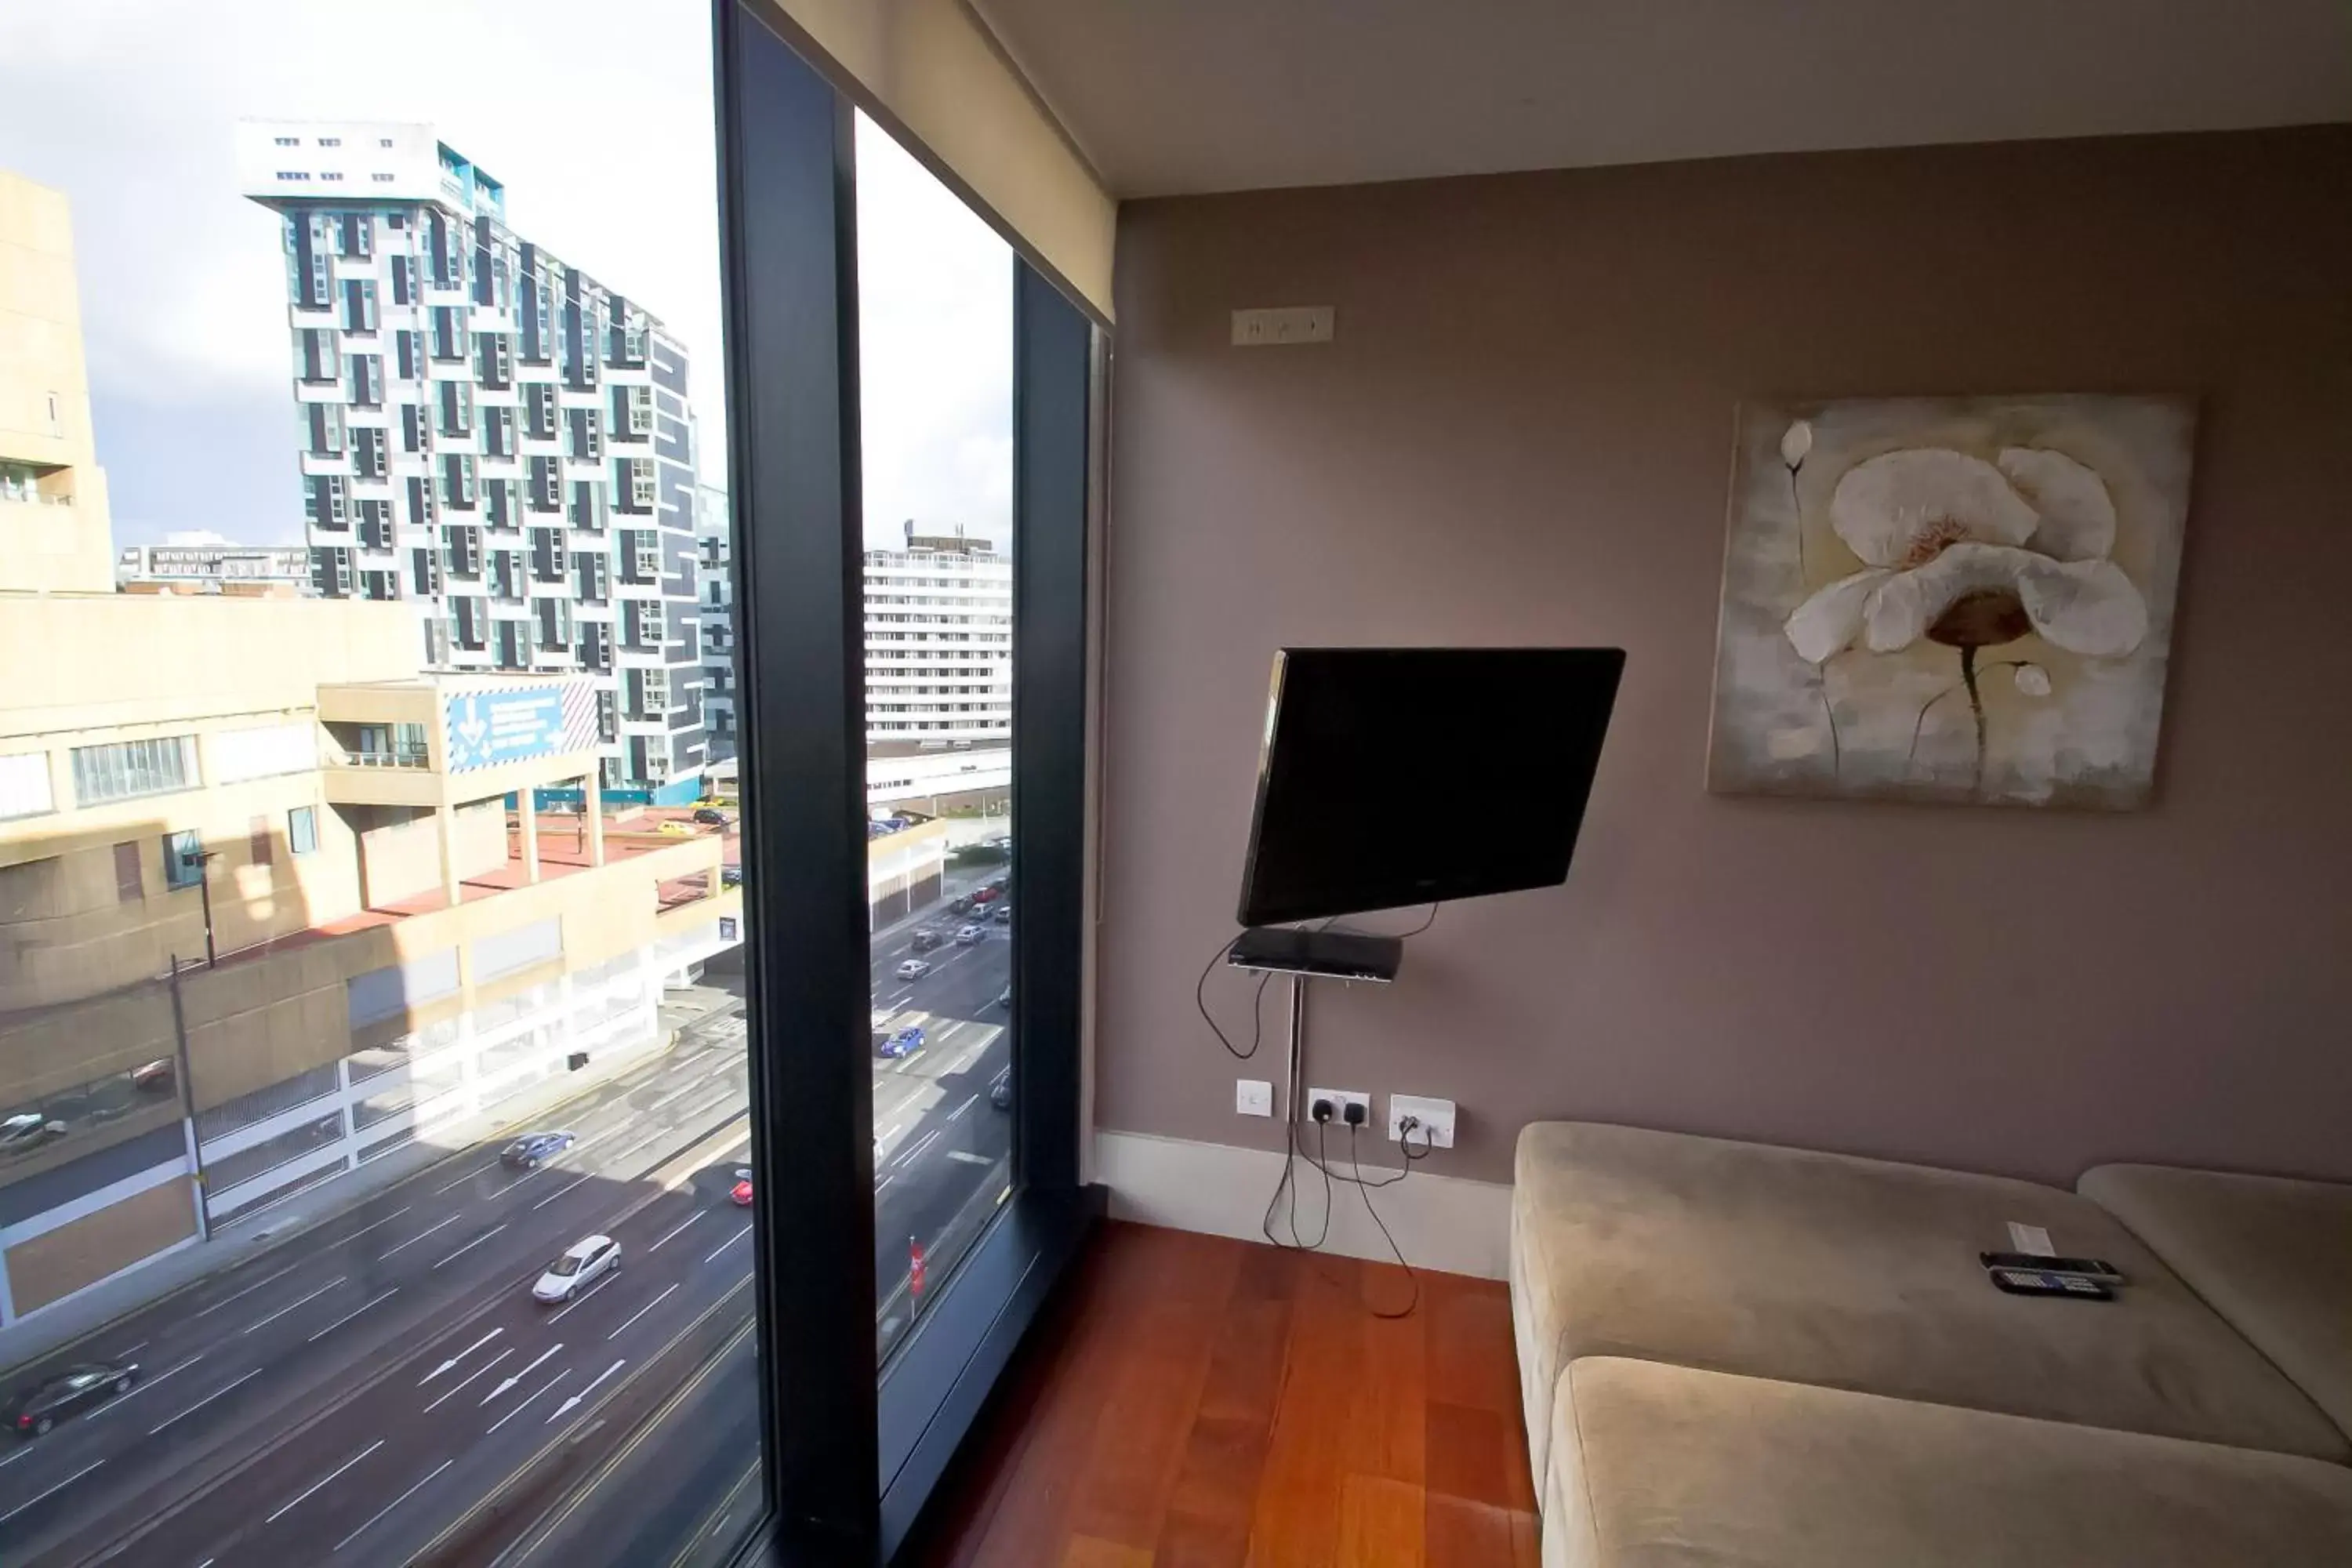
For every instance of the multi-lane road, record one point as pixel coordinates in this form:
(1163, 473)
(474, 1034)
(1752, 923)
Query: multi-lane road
(381, 1387)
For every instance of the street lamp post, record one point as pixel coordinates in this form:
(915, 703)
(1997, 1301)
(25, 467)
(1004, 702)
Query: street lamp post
(204, 859)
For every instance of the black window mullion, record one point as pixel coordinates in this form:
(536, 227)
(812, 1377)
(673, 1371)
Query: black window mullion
(1053, 345)
(788, 214)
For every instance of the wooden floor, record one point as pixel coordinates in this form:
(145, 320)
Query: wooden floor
(1192, 1401)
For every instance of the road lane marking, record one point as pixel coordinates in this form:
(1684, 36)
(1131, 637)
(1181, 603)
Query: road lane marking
(287, 1508)
(959, 1110)
(644, 1309)
(207, 1399)
(725, 1245)
(461, 1355)
(420, 1236)
(303, 1302)
(394, 1504)
(451, 1391)
(673, 1230)
(561, 1190)
(476, 1170)
(967, 1157)
(925, 1141)
(128, 1350)
(61, 1485)
(906, 1062)
(473, 1243)
(365, 1229)
(890, 1132)
(558, 1315)
(519, 1409)
(673, 1094)
(347, 1317)
(517, 1377)
(641, 1143)
(572, 1401)
(249, 1290)
(882, 1183)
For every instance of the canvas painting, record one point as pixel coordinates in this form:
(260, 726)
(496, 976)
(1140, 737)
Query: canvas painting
(1951, 600)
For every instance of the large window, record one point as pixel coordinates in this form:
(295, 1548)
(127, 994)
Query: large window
(574, 1143)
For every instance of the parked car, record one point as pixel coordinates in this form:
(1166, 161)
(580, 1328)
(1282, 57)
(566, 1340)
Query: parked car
(1003, 915)
(711, 816)
(925, 940)
(970, 936)
(675, 828)
(582, 1263)
(28, 1127)
(730, 875)
(986, 895)
(528, 1151)
(960, 906)
(157, 1077)
(904, 1043)
(1000, 1093)
(34, 1409)
(913, 969)
(740, 1193)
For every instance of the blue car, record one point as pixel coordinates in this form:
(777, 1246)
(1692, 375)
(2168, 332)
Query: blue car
(529, 1149)
(904, 1043)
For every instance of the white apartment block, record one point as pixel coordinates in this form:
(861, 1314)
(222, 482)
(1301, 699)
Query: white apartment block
(939, 644)
(716, 559)
(488, 432)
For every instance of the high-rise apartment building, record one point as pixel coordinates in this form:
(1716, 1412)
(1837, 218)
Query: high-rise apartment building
(939, 644)
(711, 525)
(54, 532)
(489, 433)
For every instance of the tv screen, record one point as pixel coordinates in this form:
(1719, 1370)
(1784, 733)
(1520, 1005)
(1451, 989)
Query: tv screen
(1392, 777)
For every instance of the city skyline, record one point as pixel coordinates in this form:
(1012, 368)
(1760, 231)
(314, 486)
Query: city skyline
(187, 358)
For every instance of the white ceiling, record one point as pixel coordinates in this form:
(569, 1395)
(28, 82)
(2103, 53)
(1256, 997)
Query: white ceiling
(1180, 96)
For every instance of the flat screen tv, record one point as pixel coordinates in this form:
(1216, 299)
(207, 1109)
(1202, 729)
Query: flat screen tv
(1392, 777)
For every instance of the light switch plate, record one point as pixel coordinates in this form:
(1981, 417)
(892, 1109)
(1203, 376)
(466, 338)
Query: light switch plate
(1253, 1096)
(1436, 1116)
(1282, 325)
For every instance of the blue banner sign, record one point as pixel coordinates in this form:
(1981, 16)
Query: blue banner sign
(485, 729)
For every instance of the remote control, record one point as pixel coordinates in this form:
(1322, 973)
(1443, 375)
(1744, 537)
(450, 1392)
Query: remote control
(2097, 1269)
(2043, 1282)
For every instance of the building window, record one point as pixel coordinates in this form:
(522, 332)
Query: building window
(129, 884)
(261, 856)
(330, 140)
(302, 829)
(382, 179)
(130, 769)
(288, 141)
(184, 859)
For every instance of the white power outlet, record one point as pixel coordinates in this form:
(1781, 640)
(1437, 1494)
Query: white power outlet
(1253, 1096)
(1283, 325)
(1433, 1119)
(1340, 1100)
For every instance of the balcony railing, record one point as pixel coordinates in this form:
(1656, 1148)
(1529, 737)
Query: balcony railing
(398, 756)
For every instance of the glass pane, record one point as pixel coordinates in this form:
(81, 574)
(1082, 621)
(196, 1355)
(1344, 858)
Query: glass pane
(373, 1122)
(934, 302)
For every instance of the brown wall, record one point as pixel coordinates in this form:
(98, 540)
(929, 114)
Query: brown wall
(59, 1262)
(1522, 434)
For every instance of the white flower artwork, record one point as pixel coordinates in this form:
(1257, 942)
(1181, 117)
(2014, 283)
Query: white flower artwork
(1951, 600)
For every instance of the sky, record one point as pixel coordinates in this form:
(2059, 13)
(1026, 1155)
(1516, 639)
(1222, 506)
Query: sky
(602, 135)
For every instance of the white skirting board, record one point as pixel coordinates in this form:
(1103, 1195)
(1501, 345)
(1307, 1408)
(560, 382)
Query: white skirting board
(1446, 1223)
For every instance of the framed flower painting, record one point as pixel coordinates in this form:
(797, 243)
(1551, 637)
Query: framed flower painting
(1963, 600)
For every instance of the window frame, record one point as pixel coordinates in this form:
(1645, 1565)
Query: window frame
(851, 1456)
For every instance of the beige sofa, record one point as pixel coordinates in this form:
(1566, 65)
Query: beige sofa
(1737, 1354)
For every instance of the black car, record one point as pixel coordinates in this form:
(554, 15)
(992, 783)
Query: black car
(529, 1149)
(1000, 1093)
(33, 1410)
(925, 940)
(711, 816)
(730, 875)
(962, 906)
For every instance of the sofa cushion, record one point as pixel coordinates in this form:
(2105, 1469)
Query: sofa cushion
(1863, 1274)
(2273, 1255)
(1666, 1467)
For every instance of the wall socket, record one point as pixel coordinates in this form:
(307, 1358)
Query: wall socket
(1340, 1100)
(1253, 1096)
(1435, 1118)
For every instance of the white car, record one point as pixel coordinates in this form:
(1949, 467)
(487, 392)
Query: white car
(913, 969)
(581, 1262)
